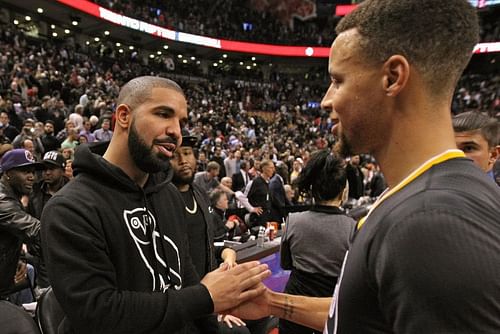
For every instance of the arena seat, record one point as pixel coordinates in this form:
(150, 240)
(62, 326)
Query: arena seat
(49, 313)
(15, 320)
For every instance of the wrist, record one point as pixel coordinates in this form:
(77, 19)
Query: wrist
(281, 305)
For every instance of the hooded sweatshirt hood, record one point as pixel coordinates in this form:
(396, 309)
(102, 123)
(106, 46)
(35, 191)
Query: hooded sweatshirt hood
(88, 159)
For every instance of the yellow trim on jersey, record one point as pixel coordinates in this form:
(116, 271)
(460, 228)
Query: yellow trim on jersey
(447, 155)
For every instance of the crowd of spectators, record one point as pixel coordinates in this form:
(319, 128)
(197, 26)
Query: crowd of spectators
(271, 22)
(69, 86)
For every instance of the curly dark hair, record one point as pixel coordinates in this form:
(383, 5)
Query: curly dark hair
(323, 177)
(436, 36)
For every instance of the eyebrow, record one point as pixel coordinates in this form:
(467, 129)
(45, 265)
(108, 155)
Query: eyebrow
(167, 109)
(469, 142)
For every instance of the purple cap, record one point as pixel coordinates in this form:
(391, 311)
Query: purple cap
(18, 158)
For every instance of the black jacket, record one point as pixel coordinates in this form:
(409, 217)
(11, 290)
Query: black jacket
(259, 195)
(238, 181)
(16, 227)
(39, 197)
(203, 203)
(278, 199)
(117, 254)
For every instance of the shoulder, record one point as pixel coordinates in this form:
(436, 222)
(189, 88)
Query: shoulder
(457, 187)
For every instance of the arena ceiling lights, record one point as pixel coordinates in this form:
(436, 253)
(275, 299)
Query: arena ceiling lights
(234, 46)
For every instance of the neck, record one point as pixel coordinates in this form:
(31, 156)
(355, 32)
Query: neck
(332, 202)
(118, 155)
(431, 133)
(183, 187)
(54, 187)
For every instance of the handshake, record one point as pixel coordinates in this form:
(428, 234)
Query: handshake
(238, 288)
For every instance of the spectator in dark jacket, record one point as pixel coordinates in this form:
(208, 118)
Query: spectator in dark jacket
(53, 180)
(277, 192)
(16, 225)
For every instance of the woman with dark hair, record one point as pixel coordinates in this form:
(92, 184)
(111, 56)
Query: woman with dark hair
(315, 242)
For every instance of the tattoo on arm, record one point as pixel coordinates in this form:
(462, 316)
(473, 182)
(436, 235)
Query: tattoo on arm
(288, 308)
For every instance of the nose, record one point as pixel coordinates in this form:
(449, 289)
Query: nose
(327, 102)
(181, 159)
(174, 131)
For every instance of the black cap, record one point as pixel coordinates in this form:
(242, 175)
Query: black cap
(187, 139)
(54, 158)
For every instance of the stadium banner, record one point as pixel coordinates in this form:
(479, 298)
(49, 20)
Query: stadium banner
(225, 45)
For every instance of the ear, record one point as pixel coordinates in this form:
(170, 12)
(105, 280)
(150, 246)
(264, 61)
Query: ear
(494, 154)
(396, 72)
(345, 193)
(123, 116)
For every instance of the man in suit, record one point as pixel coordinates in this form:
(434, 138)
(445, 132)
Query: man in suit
(277, 192)
(241, 179)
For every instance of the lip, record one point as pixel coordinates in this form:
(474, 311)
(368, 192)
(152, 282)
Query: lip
(335, 130)
(167, 149)
(185, 170)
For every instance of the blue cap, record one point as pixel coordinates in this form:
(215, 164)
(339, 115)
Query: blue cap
(18, 158)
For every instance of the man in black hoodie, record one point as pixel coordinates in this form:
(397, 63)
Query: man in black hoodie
(115, 237)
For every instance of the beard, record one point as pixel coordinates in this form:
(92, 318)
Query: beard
(180, 180)
(343, 147)
(143, 155)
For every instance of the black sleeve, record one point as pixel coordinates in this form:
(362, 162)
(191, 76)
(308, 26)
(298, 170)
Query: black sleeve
(208, 322)
(434, 277)
(15, 220)
(84, 280)
(277, 193)
(219, 227)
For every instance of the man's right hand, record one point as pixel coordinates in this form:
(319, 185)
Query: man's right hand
(258, 210)
(230, 287)
(253, 309)
(21, 272)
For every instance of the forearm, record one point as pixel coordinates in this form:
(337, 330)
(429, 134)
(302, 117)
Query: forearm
(244, 201)
(307, 311)
(225, 189)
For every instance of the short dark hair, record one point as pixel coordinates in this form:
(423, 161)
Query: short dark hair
(324, 176)
(476, 121)
(437, 37)
(138, 90)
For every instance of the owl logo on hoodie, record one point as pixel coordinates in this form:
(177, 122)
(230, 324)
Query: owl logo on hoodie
(160, 258)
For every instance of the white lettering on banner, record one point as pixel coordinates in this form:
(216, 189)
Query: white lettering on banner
(199, 40)
(487, 47)
(129, 22)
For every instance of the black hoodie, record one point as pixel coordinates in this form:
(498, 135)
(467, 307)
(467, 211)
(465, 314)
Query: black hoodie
(117, 254)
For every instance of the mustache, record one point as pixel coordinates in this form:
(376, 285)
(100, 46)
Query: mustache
(167, 140)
